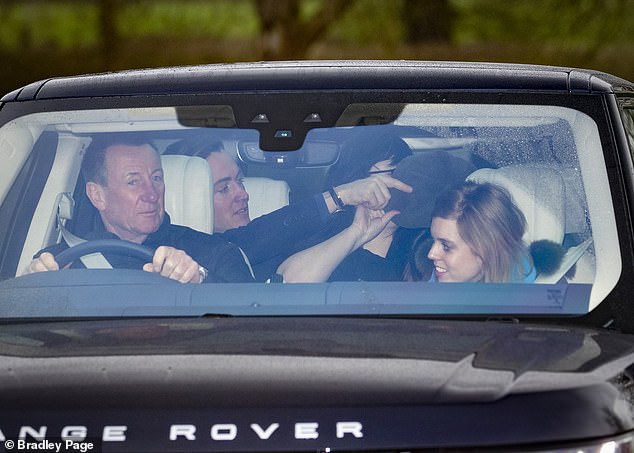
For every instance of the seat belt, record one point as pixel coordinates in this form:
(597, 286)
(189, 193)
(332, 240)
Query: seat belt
(248, 263)
(65, 208)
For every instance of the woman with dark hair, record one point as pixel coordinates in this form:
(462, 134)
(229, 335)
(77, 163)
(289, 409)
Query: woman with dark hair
(371, 151)
(348, 254)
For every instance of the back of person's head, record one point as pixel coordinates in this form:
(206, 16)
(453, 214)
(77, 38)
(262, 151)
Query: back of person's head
(491, 225)
(358, 154)
(93, 165)
(200, 145)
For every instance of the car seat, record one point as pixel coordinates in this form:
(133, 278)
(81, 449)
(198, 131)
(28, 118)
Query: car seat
(540, 193)
(188, 196)
(265, 195)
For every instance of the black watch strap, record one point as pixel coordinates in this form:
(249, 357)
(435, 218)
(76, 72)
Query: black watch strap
(335, 197)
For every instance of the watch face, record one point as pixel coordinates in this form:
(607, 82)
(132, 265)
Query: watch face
(203, 273)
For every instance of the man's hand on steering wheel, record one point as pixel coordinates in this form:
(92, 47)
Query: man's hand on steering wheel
(44, 262)
(167, 261)
(175, 264)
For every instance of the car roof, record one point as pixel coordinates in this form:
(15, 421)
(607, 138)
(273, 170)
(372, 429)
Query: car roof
(325, 75)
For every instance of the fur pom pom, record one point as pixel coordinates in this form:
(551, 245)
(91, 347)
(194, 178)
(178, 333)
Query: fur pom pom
(547, 256)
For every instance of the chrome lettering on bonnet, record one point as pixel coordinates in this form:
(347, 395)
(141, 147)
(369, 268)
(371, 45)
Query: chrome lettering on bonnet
(229, 431)
(221, 432)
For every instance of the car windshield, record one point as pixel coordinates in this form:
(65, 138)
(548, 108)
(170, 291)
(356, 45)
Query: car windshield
(507, 209)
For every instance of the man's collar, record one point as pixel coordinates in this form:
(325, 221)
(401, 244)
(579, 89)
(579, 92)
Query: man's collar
(158, 235)
(100, 232)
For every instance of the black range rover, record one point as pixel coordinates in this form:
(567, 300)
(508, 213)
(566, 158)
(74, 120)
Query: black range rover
(317, 342)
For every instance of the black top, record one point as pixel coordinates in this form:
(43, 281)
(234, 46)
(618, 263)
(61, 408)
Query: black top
(221, 258)
(363, 265)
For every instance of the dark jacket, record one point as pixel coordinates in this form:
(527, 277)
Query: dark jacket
(223, 260)
(270, 239)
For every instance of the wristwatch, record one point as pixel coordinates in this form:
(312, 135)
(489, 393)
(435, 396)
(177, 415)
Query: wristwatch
(337, 199)
(203, 273)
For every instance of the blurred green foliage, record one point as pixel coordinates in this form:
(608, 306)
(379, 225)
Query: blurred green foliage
(218, 18)
(60, 24)
(43, 38)
(371, 21)
(67, 24)
(73, 23)
(570, 22)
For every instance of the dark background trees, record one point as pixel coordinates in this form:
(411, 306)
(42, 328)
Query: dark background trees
(46, 38)
(428, 21)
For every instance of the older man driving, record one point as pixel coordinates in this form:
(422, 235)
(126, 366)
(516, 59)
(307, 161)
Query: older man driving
(124, 182)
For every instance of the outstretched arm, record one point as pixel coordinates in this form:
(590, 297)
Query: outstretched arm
(372, 192)
(316, 263)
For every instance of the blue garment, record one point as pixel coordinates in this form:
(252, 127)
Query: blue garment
(528, 274)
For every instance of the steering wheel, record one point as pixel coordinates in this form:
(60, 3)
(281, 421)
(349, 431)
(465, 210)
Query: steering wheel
(115, 246)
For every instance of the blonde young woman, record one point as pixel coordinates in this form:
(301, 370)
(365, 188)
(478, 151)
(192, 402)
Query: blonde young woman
(476, 236)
